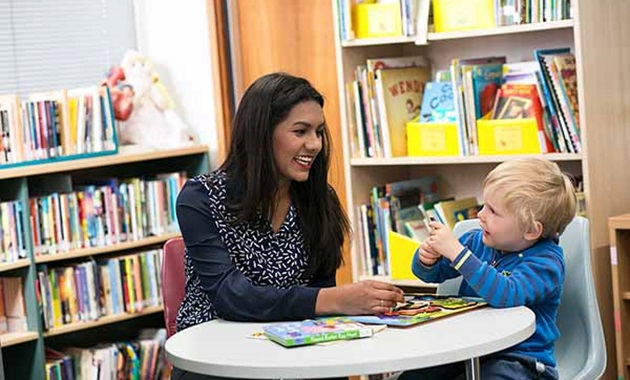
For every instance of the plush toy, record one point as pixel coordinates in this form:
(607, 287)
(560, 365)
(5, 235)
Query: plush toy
(151, 120)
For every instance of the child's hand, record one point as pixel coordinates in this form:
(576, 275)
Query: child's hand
(427, 255)
(442, 241)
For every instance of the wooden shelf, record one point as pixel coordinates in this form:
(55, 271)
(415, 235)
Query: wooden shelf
(21, 263)
(625, 296)
(126, 154)
(399, 161)
(378, 41)
(620, 222)
(498, 31)
(108, 319)
(502, 30)
(13, 338)
(106, 249)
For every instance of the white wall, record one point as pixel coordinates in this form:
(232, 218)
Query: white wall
(174, 35)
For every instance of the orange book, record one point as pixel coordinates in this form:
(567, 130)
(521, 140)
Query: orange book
(137, 283)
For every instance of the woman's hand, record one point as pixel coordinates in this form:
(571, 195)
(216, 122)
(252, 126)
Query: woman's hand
(442, 241)
(365, 297)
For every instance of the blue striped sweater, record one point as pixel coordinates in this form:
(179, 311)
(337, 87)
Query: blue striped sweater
(531, 278)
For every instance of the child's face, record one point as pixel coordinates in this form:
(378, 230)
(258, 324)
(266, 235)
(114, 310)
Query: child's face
(501, 229)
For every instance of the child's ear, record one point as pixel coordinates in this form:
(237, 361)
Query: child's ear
(534, 232)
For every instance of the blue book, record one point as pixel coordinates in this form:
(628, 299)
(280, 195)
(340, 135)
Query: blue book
(437, 103)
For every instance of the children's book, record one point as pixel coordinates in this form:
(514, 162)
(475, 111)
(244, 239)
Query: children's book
(399, 92)
(312, 331)
(422, 308)
(437, 103)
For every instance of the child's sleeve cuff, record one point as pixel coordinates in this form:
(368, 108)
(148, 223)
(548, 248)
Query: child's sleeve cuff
(461, 258)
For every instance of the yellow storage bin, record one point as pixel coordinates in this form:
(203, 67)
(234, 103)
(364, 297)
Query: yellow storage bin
(508, 136)
(453, 15)
(370, 20)
(432, 139)
(401, 250)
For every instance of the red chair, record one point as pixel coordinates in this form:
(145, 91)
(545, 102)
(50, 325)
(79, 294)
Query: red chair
(173, 282)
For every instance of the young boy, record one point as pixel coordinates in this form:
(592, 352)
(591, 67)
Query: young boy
(513, 260)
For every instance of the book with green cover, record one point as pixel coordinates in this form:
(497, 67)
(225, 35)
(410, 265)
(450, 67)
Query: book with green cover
(312, 331)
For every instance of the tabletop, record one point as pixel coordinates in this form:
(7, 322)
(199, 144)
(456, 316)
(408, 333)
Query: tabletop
(223, 348)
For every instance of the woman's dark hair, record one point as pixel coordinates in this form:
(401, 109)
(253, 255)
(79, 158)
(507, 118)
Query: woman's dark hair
(250, 165)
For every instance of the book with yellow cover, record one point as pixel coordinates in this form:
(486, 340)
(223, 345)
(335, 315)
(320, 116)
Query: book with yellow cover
(399, 92)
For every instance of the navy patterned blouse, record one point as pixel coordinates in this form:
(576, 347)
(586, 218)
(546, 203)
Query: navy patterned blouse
(240, 271)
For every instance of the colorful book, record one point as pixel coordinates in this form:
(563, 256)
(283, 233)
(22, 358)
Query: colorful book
(399, 92)
(312, 331)
(422, 308)
(437, 103)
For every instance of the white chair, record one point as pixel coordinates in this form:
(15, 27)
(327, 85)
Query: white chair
(580, 350)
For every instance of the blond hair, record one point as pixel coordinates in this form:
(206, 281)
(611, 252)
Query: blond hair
(535, 190)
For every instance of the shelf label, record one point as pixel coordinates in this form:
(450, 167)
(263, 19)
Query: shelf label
(613, 255)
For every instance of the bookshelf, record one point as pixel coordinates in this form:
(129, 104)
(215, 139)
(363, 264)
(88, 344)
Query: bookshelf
(620, 267)
(597, 38)
(23, 353)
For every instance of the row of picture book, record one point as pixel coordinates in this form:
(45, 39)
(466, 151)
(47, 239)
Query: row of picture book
(89, 290)
(54, 124)
(378, 18)
(140, 358)
(417, 309)
(404, 207)
(388, 93)
(92, 214)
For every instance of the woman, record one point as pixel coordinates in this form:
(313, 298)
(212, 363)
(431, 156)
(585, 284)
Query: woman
(264, 232)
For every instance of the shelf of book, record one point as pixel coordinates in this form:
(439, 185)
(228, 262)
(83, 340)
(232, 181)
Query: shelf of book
(93, 251)
(21, 263)
(502, 30)
(106, 320)
(126, 154)
(407, 161)
(13, 338)
(99, 184)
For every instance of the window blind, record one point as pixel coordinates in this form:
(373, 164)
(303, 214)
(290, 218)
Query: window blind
(53, 44)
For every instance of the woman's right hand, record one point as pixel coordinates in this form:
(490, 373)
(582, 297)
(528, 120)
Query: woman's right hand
(364, 297)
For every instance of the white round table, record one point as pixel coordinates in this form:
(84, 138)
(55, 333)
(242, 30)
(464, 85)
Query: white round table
(223, 348)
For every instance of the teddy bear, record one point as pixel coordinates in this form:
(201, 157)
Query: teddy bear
(143, 107)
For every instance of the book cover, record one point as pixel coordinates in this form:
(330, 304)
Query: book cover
(312, 331)
(515, 101)
(402, 96)
(486, 80)
(422, 308)
(437, 103)
(568, 83)
(446, 209)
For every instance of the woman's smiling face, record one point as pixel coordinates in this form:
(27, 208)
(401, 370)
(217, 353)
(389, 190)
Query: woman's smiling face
(297, 140)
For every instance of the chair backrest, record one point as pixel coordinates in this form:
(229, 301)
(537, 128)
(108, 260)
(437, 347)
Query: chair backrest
(173, 282)
(580, 350)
